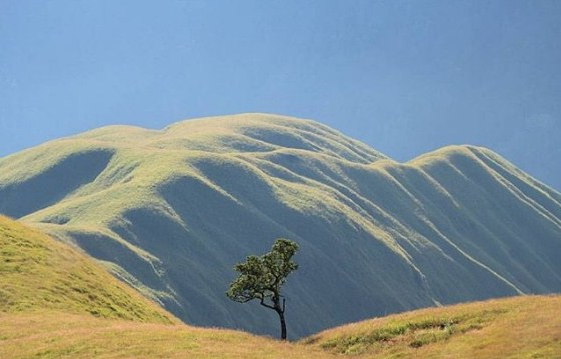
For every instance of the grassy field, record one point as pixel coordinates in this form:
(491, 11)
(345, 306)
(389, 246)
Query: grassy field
(58, 335)
(56, 302)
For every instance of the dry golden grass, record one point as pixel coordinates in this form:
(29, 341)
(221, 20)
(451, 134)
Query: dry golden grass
(518, 327)
(59, 335)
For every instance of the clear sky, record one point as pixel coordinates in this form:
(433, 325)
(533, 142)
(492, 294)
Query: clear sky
(405, 77)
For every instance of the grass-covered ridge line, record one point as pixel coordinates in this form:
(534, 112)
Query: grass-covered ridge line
(521, 327)
(171, 211)
(39, 274)
(414, 333)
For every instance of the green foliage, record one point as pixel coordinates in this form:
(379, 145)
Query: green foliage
(262, 277)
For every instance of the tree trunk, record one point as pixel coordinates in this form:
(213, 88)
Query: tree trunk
(283, 324)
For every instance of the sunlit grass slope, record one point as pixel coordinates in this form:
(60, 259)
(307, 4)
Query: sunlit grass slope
(171, 211)
(39, 274)
(520, 327)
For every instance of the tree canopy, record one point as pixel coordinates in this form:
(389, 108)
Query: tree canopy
(261, 277)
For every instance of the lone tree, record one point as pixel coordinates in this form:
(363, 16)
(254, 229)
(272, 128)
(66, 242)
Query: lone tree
(262, 277)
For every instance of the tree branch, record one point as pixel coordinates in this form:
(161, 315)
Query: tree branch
(266, 305)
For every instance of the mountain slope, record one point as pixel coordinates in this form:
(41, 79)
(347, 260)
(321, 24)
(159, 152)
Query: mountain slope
(172, 211)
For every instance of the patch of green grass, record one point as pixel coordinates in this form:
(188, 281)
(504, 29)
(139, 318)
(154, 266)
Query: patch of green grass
(417, 332)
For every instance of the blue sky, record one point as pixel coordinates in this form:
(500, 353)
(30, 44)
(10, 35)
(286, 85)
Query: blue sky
(405, 77)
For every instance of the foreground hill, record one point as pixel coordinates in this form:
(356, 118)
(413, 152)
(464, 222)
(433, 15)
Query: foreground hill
(520, 327)
(171, 211)
(74, 336)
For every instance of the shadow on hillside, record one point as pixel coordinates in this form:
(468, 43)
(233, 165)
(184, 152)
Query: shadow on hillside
(19, 199)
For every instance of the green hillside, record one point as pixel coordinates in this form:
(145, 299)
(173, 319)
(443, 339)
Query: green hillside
(171, 211)
(39, 275)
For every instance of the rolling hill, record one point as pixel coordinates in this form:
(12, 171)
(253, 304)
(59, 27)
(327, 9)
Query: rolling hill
(171, 211)
(520, 327)
(57, 303)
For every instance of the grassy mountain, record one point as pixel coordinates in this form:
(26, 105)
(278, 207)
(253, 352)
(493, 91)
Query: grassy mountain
(171, 211)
